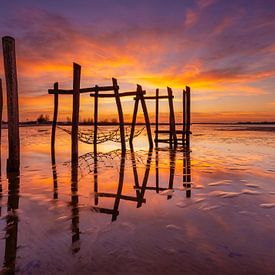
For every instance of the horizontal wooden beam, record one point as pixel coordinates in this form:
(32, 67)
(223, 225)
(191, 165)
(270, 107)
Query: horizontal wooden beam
(168, 132)
(83, 90)
(154, 97)
(151, 188)
(120, 94)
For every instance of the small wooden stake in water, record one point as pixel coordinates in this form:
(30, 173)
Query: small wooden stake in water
(13, 162)
(75, 117)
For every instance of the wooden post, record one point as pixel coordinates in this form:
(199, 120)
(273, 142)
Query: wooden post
(157, 117)
(172, 117)
(95, 119)
(120, 116)
(134, 120)
(183, 116)
(146, 116)
(188, 114)
(1, 109)
(75, 117)
(13, 162)
(55, 112)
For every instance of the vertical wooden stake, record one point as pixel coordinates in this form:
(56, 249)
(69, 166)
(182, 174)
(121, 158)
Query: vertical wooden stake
(146, 116)
(188, 114)
(1, 109)
(120, 116)
(13, 163)
(172, 118)
(134, 120)
(95, 119)
(75, 117)
(157, 118)
(183, 116)
(54, 123)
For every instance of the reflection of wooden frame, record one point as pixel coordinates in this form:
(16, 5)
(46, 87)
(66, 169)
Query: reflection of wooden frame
(118, 195)
(157, 188)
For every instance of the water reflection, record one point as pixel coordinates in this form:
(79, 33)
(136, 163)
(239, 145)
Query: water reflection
(12, 223)
(74, 207)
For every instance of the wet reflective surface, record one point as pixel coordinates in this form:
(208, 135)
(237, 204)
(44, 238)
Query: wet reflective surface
(210, 209)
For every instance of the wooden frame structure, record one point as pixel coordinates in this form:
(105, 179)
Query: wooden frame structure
(172, 140)
(97, 92)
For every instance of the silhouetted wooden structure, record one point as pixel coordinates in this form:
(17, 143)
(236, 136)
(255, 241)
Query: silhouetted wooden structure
(98, 92)
(172, 140)
(9, 56)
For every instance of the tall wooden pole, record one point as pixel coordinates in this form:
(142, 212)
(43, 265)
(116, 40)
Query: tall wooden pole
(188, 113)
(146, 116)
(54, 123)
(13, 163)
(95, 119)
(1, 109)
(183, 116)
(120, 116)
(172, 118)
(157, 117)
(75, 117)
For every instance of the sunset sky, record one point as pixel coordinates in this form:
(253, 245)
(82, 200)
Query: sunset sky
(224, 50)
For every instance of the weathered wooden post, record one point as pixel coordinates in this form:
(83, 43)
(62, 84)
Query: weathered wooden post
(188, 114)
(13, 162)
(75, 117)
(172, 118)
(183, 117)
(120, 115)
(1, 109)
(146, 116)
(95, 118)
(54, 122)
(157, 118)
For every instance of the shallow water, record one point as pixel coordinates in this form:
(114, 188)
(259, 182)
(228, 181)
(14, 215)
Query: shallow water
(208, 211)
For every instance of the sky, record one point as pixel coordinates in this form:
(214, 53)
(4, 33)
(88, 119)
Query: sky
(224, 50)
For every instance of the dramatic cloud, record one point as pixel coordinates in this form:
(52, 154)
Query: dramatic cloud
(225, 50)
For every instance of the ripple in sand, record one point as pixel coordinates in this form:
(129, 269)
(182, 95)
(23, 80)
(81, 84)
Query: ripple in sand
(220, 182)
(211, 207)
(167, 192)
(252, 185)
(172, 227)
(267, 205)
(224, 194)
(250, 192)
(181, 204)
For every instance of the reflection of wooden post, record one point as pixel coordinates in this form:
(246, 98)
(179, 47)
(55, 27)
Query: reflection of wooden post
(146, 116)
(13, 162)
(12, 223)
(75, 118)
(54, 119)
(1, 109)
(95, 119)
(120, 116)
(75, 209)
(157, 117)
(172, 118)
